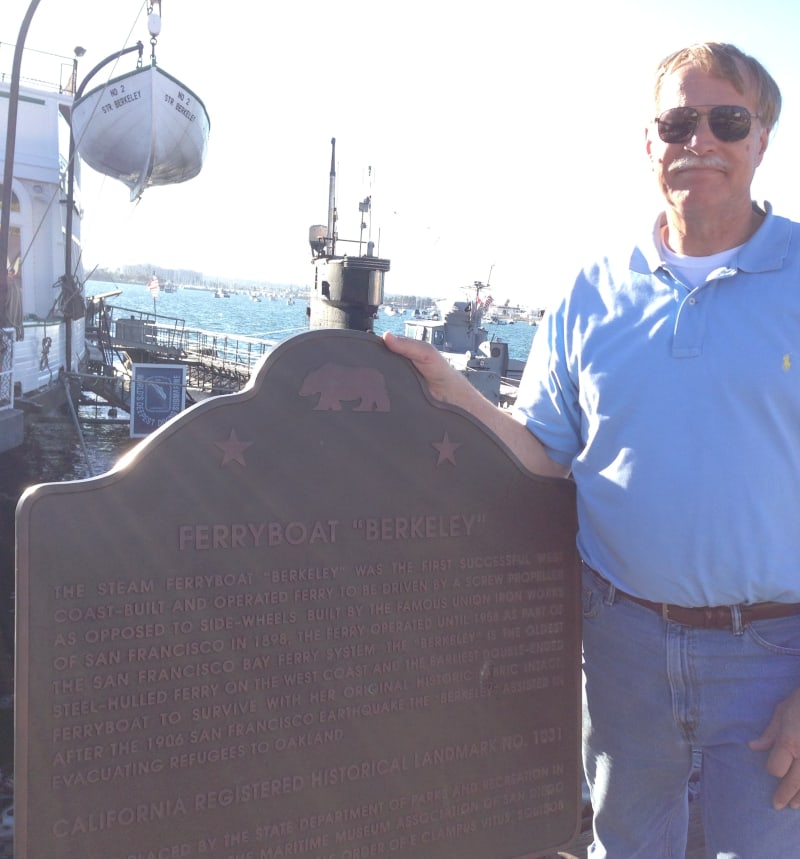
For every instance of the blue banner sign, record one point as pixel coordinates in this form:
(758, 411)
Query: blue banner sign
(158, 393)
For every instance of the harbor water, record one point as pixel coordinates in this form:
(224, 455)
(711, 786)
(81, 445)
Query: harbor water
(267, 319)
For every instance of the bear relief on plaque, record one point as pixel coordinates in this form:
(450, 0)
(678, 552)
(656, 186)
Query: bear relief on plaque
(326, 616)
(336, 383)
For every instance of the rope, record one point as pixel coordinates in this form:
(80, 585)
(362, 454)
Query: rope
(77, 425)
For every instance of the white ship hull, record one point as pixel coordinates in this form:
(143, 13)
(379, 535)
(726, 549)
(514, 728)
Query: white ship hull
(38, 344)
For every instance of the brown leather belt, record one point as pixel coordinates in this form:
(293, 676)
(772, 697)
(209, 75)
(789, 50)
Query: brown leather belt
(711, 617)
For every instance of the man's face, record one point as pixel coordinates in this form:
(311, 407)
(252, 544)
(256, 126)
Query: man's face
(703, 172)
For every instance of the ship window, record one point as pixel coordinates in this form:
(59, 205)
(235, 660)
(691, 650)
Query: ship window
(14, 259)
(438, 337)
(14, 200)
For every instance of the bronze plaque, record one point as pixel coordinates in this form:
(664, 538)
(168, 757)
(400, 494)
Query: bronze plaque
(324, 617)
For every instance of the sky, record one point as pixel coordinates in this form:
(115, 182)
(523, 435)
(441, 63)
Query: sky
(500, 142)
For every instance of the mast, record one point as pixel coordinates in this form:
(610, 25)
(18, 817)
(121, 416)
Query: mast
(330, 241)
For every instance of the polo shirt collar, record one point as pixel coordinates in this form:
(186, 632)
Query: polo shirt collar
(765, 251)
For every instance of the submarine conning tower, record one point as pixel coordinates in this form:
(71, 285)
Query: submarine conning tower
(348, 290)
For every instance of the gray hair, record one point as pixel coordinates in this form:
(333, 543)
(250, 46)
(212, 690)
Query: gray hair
(727, 62)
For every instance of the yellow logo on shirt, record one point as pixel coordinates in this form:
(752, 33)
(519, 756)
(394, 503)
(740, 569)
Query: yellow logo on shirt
(787, 362)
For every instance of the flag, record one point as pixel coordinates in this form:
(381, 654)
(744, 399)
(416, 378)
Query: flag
(152, 285)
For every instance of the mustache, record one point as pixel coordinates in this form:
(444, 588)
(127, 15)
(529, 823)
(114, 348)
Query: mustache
(694, 162)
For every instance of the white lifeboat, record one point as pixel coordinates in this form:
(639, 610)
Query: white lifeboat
(144, 128)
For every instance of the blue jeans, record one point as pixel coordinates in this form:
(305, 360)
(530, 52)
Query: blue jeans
(654, 691)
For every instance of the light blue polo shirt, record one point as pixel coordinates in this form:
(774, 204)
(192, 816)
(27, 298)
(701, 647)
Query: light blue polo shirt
(678, 411)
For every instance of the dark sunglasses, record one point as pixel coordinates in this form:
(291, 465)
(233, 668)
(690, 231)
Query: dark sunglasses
(728, 122)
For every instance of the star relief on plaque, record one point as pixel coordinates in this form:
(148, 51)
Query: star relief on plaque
(447, 450)
(233, 449)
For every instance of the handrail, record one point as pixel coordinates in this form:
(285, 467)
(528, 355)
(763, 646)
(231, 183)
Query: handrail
(169, 336)
(7, 337)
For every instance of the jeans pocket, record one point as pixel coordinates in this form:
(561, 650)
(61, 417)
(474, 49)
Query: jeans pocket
(781, 636)
(592, 595)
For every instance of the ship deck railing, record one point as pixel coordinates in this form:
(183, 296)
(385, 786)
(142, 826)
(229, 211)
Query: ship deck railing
(168, 337)
(216, 362)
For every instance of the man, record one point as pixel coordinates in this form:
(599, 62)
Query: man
(667, 382)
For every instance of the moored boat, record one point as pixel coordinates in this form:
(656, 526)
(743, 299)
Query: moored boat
(458, 333)
(42, 310)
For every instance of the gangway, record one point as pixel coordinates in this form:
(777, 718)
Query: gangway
(215, 362)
